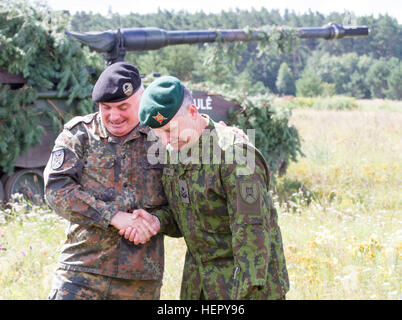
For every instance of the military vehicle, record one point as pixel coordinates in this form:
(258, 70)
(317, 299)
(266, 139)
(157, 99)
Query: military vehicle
(27, 178)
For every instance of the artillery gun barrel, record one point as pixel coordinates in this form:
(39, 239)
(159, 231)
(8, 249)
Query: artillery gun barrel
(115, 43)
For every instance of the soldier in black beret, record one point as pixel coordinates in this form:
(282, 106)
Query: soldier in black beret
(97, 176)
(116, 83)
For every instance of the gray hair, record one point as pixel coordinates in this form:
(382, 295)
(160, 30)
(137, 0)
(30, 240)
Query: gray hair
(187, 100)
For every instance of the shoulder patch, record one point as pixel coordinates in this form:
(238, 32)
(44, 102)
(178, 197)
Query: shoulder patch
(57, 159)
(76, 120)
(248, 197)
(249, 191)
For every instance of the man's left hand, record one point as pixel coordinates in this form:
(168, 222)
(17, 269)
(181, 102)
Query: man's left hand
(236, 130)
(143, 223)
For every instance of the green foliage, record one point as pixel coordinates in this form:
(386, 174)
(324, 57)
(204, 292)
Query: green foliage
(246, 87)
(224, 63)
(336, 70)
(179, 61)
(278, 141)
(219, 62)
(335, 103)
(357, 76)
(34, 45)
(328, 89)
(382, 42)
(289, 190)
(303, 102)
(19, 129)
(320, 103)
(343, 63)
(342, 241)
(309, 85)
(378, 74)
(285, 82)
(283, 38)
(394, 82)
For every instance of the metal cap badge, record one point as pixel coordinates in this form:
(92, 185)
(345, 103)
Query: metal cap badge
(127, 89)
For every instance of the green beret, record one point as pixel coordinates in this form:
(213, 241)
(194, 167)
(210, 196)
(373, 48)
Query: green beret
(160, 101)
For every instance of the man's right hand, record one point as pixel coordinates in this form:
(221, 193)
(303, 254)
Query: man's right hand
(140, 226)
(131, 233)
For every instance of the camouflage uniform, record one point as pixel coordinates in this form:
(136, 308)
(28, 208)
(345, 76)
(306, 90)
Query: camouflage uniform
(234, 244)
(90, 176)
(77, 285)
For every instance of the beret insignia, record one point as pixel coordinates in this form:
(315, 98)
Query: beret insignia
(127, 89)
(159, 117)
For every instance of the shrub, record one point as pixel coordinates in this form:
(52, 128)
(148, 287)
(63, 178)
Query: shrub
(335, 103)
(328, 89)
(285, 82)
(304, 102)
(33, 45)
(309, 85)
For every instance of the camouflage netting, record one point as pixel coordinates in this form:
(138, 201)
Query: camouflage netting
(278, 141)
(33, 45)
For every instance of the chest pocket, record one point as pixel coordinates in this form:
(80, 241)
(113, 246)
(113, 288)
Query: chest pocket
(169, 180)
(99, 168)
(151, 184)
(207, 202)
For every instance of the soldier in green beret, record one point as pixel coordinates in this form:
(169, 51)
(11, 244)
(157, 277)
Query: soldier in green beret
(218, 199)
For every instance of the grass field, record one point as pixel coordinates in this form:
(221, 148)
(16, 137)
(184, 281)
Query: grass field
(341, 221)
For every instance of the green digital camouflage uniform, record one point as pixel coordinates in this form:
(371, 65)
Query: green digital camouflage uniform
(234, 244)
(92, 175)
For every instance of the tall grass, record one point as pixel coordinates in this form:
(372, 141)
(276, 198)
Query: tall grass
(340, 211)
(343, 227)
(30, 242)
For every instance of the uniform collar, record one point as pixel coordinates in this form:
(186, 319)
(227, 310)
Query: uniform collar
(134, 134)
(211, 124)
(194, 166)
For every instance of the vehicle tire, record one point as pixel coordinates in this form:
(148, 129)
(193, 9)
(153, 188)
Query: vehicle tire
(29, 183)
(3, 179)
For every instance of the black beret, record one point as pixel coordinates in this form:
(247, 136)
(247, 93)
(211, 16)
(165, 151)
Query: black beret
(116, 83)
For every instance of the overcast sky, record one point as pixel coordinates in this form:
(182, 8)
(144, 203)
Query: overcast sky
(366, 7)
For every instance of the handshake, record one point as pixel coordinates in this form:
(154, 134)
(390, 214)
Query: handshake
(137, 227)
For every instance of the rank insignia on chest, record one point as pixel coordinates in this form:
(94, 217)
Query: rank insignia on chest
(183, 191)
(168, 171)
(57, 158)
(249, 191)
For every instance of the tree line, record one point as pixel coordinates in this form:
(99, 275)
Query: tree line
(368, 67)
(34, 45)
